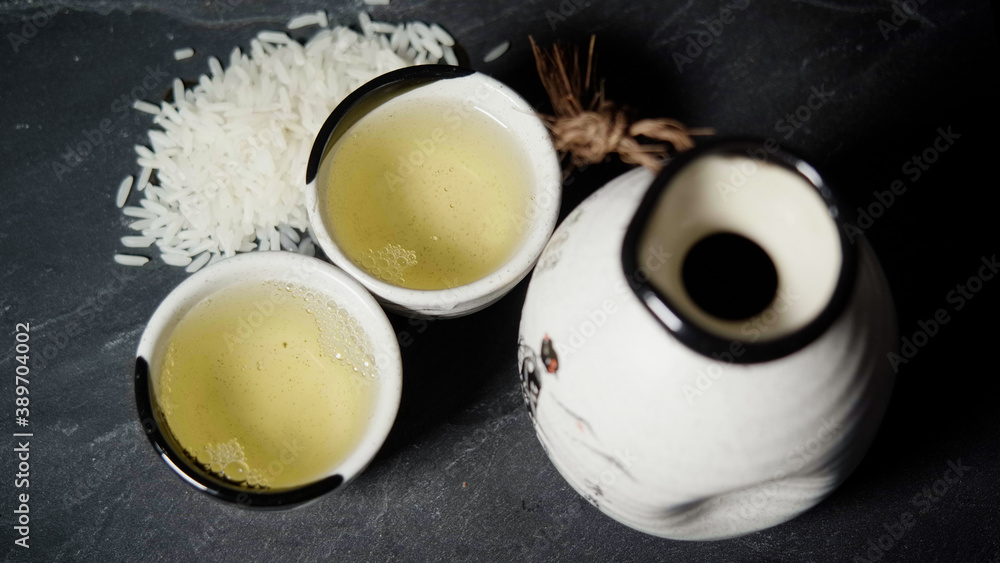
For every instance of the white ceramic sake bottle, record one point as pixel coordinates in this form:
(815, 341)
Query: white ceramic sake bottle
(704, 352)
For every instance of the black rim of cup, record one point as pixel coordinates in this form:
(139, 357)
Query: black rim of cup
(389, 84)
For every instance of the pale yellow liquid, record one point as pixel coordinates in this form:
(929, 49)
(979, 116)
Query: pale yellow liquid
(427, 197)
(252, 390)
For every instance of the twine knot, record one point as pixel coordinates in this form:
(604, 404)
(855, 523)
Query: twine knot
(588, 134)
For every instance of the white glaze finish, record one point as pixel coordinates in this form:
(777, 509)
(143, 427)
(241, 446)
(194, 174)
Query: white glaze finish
(475, 92)
(758, 445)
(323, 278)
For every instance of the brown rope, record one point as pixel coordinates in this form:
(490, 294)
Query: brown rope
(589, 133)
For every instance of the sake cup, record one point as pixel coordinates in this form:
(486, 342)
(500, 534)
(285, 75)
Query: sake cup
(463, 90)
(293, 270)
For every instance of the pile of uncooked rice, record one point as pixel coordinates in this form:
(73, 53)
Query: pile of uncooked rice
(225, 170)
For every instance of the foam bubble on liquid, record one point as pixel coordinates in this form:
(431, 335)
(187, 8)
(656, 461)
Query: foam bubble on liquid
(340, 335)
(228, 461)
(390, 263)
(165, 402)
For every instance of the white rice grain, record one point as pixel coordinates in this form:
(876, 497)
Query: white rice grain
(366, 23)
(174, 259)
(130, 259)
(290, 233)
(287, 244)
(190, 234)
(158, 193)
(397, 38)
(185, 53)
(414, 37)
(442, 36)
(496, 52)
(137, 242)
(178, 91)
(427, 39)
(383, 27)
(144, 175)
(170, 249)
(141, 213)
(123, 190)
(146, 107)
(153, 206)
(275, 240)
(421, 29)
(144, 151)
(309, 249)
(304, 20)
(161, 140)
(449, 56)
(275, 37)
(198, 262)
(215, 67)
(203, 246)
(376, 2)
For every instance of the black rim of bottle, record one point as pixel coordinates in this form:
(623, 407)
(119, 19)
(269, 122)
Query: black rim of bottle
(684, 328)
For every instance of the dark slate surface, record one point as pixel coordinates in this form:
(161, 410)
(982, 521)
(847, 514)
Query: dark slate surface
(462, 476)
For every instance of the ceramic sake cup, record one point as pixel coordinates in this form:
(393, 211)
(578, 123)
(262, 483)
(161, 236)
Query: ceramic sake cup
(464, 90)
(683, 418)
(283, 267)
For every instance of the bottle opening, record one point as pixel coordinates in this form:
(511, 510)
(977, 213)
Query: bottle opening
(729, 276)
